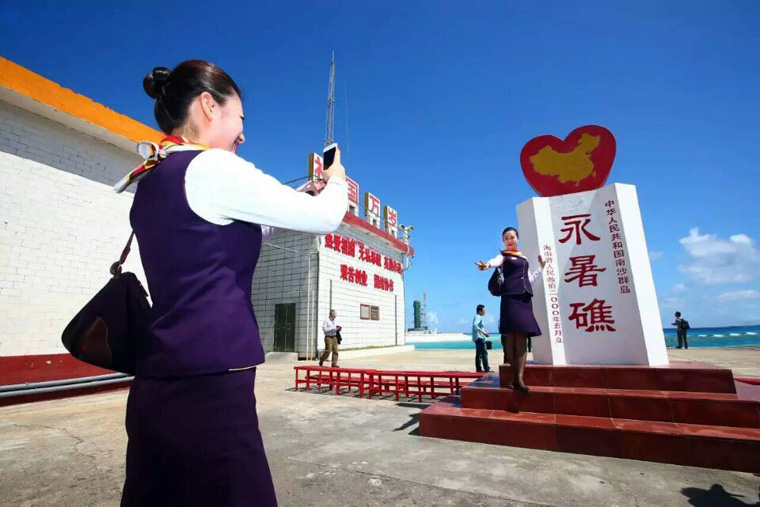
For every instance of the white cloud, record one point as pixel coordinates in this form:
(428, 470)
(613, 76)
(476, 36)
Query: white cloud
(714, 260)
(655, 254)
(673, 302)
(739, 295)
(679, 288)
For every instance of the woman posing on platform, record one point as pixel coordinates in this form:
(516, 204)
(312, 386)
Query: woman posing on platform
(517, 322)
(201, 215)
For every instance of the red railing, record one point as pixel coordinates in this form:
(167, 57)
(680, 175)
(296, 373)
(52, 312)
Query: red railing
(384, 382)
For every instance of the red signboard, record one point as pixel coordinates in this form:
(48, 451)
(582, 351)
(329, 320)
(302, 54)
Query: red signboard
(391, 218)
(392, 265)
(353, 191)
(350, 247)
(371, 206)
(383, 283)
(315, 167)
(353, 275)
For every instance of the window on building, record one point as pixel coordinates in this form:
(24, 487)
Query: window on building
(367, 312)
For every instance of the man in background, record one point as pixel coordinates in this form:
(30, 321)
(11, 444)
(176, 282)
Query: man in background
(682, 325)
(331, 329)
(479, 336)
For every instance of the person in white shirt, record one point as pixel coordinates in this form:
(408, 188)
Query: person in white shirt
(200, 215)
(331, 329)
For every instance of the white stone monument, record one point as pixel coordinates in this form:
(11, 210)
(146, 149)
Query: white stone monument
(596, 301)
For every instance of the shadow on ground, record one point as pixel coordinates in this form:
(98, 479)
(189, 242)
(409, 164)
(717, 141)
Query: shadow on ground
(414, 418)
(715, 496)
(351, 393)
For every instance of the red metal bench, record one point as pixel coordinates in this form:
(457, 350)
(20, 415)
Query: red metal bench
(393, 382)
(334, 378)
(421, 383)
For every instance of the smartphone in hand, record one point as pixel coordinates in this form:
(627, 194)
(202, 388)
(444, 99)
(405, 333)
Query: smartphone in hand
(328, 155)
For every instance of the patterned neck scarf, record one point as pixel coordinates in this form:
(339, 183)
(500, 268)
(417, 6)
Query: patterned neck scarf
(514, 251)
(153, 154)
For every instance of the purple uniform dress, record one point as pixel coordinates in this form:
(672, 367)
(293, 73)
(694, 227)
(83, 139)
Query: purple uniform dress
(516, 312)
(191, 415)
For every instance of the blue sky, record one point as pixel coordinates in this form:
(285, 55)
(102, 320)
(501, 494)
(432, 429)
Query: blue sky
(436, 99)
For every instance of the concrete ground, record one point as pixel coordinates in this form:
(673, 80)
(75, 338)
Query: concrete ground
(743, 361)
(327, 450)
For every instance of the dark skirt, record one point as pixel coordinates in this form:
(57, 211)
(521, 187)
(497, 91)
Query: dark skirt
(516, 315)
(195, 441)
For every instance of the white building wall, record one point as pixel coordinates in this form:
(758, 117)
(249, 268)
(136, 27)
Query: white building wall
(347, 297)
(61, 227)
(282, 276)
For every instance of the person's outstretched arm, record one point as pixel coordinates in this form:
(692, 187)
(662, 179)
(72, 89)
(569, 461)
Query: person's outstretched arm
(222, 187)
(493, 263)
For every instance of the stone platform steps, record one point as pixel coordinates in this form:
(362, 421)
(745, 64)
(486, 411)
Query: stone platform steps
(626, 412)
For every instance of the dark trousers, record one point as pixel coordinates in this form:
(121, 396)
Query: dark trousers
(682, 341)
(481, 356)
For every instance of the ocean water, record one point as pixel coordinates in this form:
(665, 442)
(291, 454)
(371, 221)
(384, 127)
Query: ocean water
(698, 337)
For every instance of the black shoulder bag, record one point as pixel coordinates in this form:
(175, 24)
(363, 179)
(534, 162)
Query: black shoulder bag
(107, 330)
(496, 282)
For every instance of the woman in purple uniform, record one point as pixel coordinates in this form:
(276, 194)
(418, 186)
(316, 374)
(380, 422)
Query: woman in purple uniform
(516, 322)
(201, 215)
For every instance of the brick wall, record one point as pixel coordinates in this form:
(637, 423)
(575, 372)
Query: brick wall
(41, 140)
(61, 227)
(281, 277)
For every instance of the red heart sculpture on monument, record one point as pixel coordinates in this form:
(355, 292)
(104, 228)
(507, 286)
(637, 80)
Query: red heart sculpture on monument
(581, 162)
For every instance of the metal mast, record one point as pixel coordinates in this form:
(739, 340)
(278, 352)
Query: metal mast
(423, 317)
(330, 124)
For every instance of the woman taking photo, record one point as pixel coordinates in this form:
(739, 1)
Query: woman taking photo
(516, 322)
(200, 215)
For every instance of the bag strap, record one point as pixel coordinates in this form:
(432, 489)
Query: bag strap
(116, 266)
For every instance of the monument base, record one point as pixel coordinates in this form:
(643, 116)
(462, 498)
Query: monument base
(684, 413)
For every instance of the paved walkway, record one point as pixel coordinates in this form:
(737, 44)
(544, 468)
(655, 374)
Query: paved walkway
(744, 361)
(328, 450)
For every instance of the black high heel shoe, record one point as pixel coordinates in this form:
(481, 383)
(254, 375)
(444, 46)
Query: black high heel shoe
(521, 387)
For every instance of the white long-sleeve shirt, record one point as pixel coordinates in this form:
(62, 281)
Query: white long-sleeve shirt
(497, 261)
(222, 187)
(330, 328)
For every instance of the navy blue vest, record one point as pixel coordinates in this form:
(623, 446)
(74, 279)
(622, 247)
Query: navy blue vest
(516, 278)
(199, 275)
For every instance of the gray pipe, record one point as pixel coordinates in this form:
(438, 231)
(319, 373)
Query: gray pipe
(53, 383)
(63, 385)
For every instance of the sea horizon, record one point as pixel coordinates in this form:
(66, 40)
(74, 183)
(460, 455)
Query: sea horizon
(666, 330)
(726, 336)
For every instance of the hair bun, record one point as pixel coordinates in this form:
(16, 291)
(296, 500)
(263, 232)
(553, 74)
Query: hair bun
(155, 81)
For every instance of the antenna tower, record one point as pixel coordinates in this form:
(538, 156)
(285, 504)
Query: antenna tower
(423, 316)
(330, 123)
